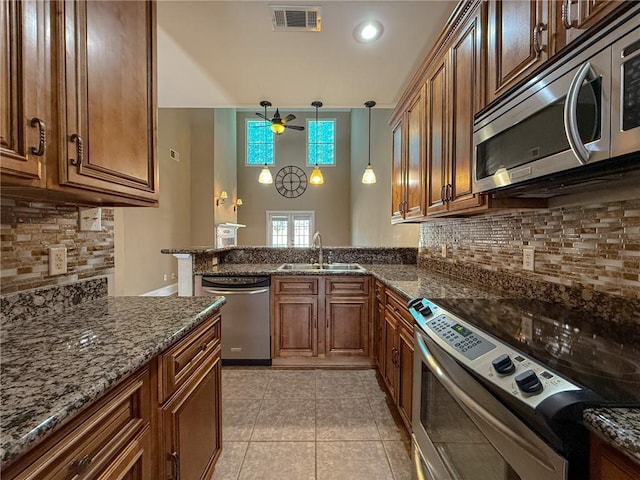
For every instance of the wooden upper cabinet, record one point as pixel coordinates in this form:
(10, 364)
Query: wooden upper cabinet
(107, 97)
(518, 32)
(23, 108)
(398, 173)
(407, 187)
(576, 16)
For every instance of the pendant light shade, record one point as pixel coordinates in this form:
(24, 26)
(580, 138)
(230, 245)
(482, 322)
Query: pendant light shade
(316, 177)
(369, 176)
(265, 175)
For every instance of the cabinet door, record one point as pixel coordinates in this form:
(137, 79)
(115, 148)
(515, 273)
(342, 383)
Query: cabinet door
(607, 463)
(346, 323)
(405, 374)
(414, 208)
(576, 16)
(378, 332)
(517, 34)
(23, 91)
(465, 99)
(107, 98)
(436, 132)
(191, 437)
(295, 322)
(389, 372)
(397, 174)
(133, 463)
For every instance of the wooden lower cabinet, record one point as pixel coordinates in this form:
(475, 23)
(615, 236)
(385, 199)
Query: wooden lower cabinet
(397, 365)
(191, 433)
(132, 434)
(329, 317)
(378, 324)
(608, 463)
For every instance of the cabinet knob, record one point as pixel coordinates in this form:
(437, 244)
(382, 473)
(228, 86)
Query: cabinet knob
(82, 464)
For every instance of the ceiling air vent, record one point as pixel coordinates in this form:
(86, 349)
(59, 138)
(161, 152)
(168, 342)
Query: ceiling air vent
(287, 18)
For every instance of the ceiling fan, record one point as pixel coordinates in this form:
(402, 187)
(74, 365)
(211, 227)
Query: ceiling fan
(278, 124)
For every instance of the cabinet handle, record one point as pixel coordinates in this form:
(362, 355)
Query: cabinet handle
(204, 347)
(82, 464)
(442, 193)
(567, 23)
(38, 152)
(449, 193)
(176, 466)
(79, 149)
(537, 32)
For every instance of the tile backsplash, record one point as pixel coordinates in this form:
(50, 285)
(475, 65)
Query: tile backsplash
(592, 247)
(28, 230)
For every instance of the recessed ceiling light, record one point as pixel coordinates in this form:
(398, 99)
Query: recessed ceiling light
(368, 31)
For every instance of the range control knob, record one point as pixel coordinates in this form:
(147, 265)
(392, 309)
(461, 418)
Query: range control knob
(503, 364)
(528, 382)
(425, 310)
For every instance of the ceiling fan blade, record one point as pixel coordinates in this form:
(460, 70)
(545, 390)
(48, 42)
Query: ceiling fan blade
(294, 127)
(288, 118)
(262, 116)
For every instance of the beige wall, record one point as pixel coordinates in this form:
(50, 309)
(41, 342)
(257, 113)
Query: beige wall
(330, 201)
(371, 204)
(140, 233)
(225, 157)
(202, 167)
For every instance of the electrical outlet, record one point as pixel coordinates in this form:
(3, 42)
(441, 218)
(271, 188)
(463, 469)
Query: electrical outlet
(164, 277)
(90, 219)
(57, 260)
(444, 250)
(173, 275)
(528, 258)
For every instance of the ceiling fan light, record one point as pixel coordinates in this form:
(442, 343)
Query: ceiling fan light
(277, 128)
(265, 175)
(316, 177)
(369, 175)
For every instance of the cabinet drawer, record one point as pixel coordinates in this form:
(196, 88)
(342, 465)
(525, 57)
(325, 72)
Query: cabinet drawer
(295, 286)
(358, 286)
(178, 363)
(396, 304)
(94, 441)
(379, 290)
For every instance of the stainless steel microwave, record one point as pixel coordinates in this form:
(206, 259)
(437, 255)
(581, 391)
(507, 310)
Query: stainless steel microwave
(577, 113)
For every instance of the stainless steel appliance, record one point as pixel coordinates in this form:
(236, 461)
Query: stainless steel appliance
(578, 113)
(508, 405)
(246, 321)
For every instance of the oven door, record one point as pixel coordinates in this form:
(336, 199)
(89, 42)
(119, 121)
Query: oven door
(462, 432)
(557, 125)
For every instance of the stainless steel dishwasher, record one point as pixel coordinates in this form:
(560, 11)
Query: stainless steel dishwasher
(246, 321)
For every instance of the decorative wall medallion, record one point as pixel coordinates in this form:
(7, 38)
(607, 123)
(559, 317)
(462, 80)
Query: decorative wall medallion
(291, 181)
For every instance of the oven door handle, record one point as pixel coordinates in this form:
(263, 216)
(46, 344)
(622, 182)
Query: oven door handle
(478, 409)
(239, 291)
(571, 113)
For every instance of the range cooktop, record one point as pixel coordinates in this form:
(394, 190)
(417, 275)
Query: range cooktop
(595, 352)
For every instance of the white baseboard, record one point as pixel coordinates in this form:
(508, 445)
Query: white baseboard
(162, 292)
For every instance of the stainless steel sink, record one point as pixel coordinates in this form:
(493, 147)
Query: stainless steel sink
(316, 267)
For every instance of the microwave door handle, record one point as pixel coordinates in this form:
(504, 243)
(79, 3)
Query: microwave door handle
(571, 114)
(478, 409)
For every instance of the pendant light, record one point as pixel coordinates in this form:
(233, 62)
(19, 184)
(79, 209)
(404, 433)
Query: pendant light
(265, 173)
(369, 176)
(316, 177)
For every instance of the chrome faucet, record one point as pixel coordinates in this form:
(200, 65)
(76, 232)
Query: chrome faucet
(317, 238)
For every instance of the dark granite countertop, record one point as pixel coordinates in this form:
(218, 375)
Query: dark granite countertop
(54, 366)
(619, 426)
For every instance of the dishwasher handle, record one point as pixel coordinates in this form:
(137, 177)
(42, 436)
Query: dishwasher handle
(237, 291)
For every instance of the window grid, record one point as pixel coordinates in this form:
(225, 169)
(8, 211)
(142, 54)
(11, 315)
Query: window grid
(301, 232)
(260, 143)
(289, 229)
(323, 143)
(279, 232)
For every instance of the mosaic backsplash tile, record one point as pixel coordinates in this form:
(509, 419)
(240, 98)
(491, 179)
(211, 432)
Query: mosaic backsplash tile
(28, 230)
(50, 300)
(592, 247)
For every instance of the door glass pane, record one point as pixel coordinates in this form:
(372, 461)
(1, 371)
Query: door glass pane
(279, 232)
(301, 232)
(463, 448)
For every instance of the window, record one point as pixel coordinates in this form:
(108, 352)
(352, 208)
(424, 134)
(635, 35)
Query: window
(324, 144)
(289, 229)
(259, 143)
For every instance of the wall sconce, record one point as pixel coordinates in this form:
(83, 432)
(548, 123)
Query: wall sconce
(238, 203)
(223, 196)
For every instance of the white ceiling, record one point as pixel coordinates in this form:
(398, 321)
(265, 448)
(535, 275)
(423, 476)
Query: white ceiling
(226, 54)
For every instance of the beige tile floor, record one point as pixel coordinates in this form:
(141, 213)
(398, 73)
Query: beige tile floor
(309, 425)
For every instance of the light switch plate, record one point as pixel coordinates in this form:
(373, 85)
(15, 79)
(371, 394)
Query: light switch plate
(90, 219)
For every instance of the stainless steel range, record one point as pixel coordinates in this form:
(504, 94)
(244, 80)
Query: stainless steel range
(507, 405)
